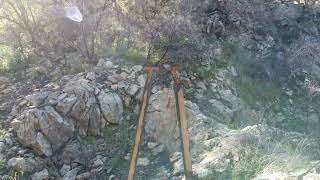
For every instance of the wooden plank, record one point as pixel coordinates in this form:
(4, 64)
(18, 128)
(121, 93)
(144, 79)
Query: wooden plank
(182, 117)
(140, 126)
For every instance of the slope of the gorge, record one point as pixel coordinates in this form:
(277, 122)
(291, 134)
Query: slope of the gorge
(85, 134)
(253, 109)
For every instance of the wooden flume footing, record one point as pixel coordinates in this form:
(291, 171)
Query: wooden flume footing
(140, 126)
(182, 118)
(183, 124)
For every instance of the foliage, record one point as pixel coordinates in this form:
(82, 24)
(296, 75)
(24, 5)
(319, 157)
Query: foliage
(254, 91)
(134, 56)
(251, 162)
(15, 175)
(36, 72)
(2, 132)
(6, 59)
(304, 58)
(281, 154)
(290, 33)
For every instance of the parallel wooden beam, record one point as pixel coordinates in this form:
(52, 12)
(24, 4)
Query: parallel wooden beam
(140, 126)
(181, 113)
(183, 123)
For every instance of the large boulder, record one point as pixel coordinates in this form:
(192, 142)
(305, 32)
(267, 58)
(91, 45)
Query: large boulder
(23, 164)
(162, 123)
(161, 119)
(52, 118)
(90, 106)
(44, 130)
(41, 175)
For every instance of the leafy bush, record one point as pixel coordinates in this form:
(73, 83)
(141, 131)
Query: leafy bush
(281, 155)
(251, 162)
(6, 59)
(252, 91)
(37, 72)
(289, 33)
(305, 60)
(134, 56)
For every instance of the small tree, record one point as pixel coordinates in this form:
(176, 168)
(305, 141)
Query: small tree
(164, 28)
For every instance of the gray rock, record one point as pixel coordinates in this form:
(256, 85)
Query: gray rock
(6, 177)
(43, 144)
(112, 177)
(9, 142)
(43, 130)
(104, 64)
(64, 169)
(141, 80)
(123, 85)
(3, 156)
(86, 175)
(177, 162)
(97, 170)
(4, 80)
(136, 68)
(41, 175)
(116, 78)
(175, 157)
(71, 175)
(143, 162)
(161, 120)
(157, 150)
(90, 106)
(133, 89)
(124, 75)
(72, 153)
(111, 107)
(85, 110)
(233, 71)
(22, 164)
(91, 76)
(38, 98)
(2, 147)
(201, 85)
(152, 145)
(289, 92)
(97, 163)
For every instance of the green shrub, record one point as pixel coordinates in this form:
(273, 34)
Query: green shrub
(251, 162)
(1, 133)
(289, 33)
(6, 59)
(37, 72)
(252, 91)
(134, 56)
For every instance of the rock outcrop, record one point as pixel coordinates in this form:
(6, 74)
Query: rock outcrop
(44, 130)
(52, 118)
(161, 120)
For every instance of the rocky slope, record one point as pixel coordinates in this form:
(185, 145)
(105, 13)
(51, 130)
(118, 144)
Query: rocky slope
(253, 110)
(82, 128)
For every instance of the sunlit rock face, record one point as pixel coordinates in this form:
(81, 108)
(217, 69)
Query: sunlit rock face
(54, 117)
(44, 130)
(161, 119)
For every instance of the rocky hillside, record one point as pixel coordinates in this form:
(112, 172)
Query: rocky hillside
(82, 128)
(253, 106)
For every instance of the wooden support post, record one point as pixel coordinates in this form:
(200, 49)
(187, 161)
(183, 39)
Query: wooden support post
(182, 117)
(140, 125)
